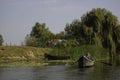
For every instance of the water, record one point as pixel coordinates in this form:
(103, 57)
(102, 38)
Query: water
(61, 72)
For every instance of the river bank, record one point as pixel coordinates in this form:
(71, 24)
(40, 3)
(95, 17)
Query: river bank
(14, 56)
(22, 53)
(32, 56)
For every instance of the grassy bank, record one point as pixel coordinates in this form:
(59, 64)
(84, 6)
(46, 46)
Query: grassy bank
(12, 55)
(76, 52)
(17, 53)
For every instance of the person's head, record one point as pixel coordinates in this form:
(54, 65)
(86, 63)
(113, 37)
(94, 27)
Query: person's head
(87, 54)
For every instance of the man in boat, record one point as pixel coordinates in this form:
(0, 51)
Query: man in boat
(88, 56)
(86, 60)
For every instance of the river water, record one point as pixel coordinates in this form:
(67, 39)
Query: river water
(100, 71)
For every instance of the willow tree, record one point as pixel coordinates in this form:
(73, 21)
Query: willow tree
(116, 34)
(105, 28)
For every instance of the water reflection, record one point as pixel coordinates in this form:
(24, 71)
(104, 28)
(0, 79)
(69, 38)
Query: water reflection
(19, 73)
(62, 72)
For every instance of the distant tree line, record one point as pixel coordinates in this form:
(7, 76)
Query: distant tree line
(97, 27)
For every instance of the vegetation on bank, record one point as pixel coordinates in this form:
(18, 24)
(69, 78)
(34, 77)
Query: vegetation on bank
(15, 56)
(17, 53)
(23, 64)
(75, 52)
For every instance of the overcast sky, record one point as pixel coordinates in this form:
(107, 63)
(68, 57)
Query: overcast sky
(17, 17)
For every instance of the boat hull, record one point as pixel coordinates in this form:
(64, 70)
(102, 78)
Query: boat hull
(51, 57)
(83, 62)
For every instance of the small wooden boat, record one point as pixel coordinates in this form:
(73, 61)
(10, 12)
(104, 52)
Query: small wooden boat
(51, 57)
(84, 62)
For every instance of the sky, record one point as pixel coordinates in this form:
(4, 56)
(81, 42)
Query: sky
(17, 17)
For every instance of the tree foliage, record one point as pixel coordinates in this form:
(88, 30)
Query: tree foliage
(1, 40)
(60, 35)
(39, 36)
(99, 27)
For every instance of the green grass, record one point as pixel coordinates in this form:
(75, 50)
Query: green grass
(22, 64)
(76, 52)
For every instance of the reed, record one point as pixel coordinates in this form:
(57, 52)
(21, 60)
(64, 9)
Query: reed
(76, 52)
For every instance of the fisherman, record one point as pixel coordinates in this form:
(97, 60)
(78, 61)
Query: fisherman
(86, 60)
(88, 56)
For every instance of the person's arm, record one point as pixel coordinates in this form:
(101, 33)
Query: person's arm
(87, 58)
